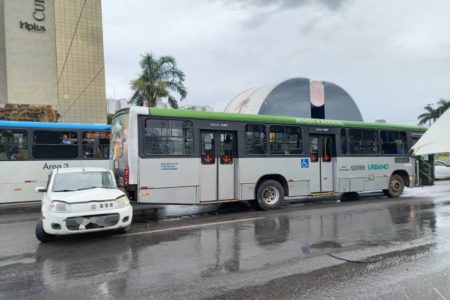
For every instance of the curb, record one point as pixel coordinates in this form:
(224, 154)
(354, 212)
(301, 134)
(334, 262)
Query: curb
(33, 206)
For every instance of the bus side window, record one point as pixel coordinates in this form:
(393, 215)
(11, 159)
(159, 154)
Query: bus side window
(168, 137)
(13, 144)
(255, 139)
(363, 141)
(48, 144)
(393, 142)
(343, 141)
(285, 140)
(95, 144)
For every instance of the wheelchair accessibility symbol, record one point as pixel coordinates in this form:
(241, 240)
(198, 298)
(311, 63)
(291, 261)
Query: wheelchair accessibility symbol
(304, 163)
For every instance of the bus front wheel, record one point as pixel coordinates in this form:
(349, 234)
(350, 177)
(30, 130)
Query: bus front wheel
(396, 186)
(270, 195)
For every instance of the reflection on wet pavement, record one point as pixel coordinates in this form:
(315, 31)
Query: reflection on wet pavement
(218, 255)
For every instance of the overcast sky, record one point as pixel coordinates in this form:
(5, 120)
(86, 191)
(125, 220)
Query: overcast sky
(392, 57)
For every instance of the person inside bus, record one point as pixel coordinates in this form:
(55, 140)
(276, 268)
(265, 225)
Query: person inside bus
(65, 139)
(91, 150)
(16, 154)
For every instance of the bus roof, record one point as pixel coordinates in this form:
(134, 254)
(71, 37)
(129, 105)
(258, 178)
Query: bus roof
(223, 116)
(46, 125)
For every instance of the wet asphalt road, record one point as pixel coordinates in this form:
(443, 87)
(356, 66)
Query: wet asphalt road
(371, 248)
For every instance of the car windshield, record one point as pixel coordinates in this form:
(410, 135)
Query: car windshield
(67, 182)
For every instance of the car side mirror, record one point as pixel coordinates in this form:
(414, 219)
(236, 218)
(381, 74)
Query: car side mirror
(40, 189)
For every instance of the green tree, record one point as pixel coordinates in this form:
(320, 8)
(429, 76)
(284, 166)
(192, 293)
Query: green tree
(158, 78)
(109, 118)
(431, 114)
(442, 106)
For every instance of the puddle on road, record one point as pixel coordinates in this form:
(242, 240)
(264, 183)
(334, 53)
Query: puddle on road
(326, 244)
(177, 212)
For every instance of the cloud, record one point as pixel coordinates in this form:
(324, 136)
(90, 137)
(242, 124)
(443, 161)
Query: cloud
(287, 4)
(391, 56)
(260, 11)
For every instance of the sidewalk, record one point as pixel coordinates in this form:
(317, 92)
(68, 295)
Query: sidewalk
(32, 206)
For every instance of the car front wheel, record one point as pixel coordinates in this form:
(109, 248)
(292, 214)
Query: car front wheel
(41, 235)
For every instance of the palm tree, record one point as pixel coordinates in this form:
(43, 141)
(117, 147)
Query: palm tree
(431, 114)
(159, 77)
(443, 105)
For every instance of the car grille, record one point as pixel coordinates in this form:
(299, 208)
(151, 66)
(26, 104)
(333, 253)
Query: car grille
(92, 222)
(92, 206)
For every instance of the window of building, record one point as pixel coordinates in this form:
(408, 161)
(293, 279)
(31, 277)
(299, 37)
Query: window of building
(363, 141)
(13, 144)
(95, 144)
(393, 142)
(255, 139)
(285, 140)
(168, 137)
(55, 144)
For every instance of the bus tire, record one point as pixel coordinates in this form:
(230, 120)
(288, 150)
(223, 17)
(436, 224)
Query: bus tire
(396, 186)
(41, 235)
(349, 196)
(270, 195)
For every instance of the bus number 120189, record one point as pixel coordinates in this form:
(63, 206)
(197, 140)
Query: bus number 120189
(358, 168)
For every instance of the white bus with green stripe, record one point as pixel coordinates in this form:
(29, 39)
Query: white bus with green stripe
(175, 156)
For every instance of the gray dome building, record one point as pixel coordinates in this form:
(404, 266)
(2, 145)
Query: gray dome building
(297, 97)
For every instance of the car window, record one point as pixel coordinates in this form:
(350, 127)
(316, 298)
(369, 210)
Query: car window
(66, 182)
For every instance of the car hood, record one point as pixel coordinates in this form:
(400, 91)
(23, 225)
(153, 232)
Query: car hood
(96, 194)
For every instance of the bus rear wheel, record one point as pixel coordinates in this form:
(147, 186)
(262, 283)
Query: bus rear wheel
(396, 186)
(270, 195)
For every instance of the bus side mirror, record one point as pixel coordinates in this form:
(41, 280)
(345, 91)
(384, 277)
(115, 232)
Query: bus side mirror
(40, 189)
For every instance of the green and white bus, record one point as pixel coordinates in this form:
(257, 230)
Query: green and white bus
(168, 156)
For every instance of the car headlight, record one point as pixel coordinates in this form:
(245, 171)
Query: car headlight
(60, 207)
(122, 202)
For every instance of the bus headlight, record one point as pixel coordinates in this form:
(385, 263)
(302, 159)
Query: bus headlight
(60, 207)
(122, 202)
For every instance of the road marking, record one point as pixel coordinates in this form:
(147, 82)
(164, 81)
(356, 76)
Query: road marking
(404, 293)
(439, 293)
(191, 226)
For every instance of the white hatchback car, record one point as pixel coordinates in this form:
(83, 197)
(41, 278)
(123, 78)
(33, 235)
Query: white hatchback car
(78, 200)
(441, 170)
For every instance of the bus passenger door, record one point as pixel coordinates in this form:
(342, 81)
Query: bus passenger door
(226, 163)
(217, 169)
(322, 151)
